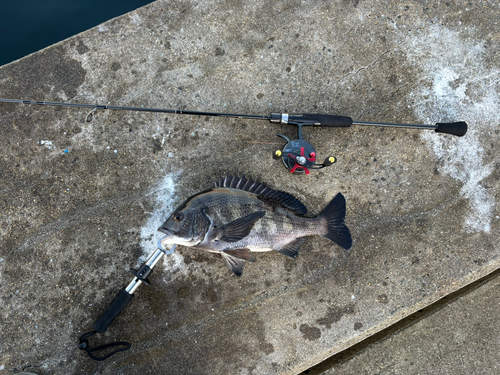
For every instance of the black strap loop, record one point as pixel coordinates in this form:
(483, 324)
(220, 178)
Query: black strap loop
(84, 345)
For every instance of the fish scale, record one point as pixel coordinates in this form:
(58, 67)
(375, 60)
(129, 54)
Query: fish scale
(281, 220)
(240, 216)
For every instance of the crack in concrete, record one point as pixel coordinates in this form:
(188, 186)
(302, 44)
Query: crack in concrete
(351, 74)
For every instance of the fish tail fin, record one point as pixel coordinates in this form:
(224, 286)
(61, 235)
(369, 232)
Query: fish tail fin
(334, 214)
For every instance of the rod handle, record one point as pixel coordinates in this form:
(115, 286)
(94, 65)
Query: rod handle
(456, 128)
(114, 309)
(329, 120)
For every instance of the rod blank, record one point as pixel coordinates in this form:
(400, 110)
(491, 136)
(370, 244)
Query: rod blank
(141, 109)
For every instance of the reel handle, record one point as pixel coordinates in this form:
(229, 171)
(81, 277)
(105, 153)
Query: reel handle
(329, 161)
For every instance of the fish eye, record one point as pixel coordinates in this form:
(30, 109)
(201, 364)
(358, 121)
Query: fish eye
(178, 216)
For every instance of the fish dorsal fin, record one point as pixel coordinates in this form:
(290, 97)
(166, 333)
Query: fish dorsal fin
(254, 187)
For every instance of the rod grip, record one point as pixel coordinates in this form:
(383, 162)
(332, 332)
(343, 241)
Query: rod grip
(114, 309)
(329, 120)
(456, 128)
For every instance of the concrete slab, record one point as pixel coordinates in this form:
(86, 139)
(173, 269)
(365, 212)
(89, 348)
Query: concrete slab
(422, 207)
(457, 337)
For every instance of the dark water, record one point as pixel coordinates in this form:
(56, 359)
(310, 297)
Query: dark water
(27, 26)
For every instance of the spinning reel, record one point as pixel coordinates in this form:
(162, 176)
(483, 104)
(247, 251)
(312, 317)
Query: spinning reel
(299, 155)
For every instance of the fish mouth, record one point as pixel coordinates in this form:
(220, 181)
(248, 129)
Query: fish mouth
(164, 231)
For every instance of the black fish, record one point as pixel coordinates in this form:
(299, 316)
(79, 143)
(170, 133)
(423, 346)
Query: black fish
(240, 216)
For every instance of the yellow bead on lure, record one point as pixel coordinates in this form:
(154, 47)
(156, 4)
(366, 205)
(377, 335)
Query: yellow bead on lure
(240, 216)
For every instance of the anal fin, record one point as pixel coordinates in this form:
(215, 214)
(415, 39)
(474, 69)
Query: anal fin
(292, 249)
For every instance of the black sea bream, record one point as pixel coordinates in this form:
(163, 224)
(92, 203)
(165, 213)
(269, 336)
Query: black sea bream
(239, 216)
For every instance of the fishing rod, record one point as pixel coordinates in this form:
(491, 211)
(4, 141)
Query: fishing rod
(297, 155)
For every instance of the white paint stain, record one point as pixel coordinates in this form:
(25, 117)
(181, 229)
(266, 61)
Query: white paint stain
(47, 144)
(164, 200)
(456, 85)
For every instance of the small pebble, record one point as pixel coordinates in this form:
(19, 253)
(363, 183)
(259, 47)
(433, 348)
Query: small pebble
(170, 154)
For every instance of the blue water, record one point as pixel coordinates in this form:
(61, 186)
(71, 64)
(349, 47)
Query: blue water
(27, 26)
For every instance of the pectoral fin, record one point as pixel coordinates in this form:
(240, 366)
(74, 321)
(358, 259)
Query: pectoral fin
(235, 259)
(292, 249)
(239, 228)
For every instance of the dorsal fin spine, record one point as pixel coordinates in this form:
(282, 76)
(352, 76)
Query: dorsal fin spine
(255, 187)
(241, 181)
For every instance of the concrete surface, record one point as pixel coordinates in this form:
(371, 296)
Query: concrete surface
(457, 336)
(422, 207)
